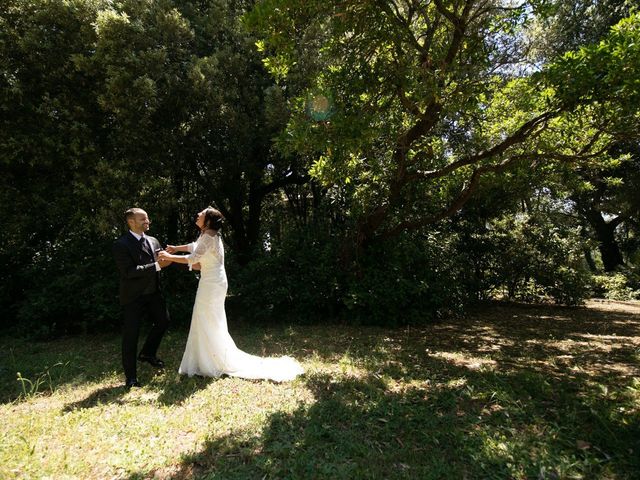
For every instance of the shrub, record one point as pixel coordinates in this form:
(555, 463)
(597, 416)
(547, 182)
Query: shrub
(74, 289)
(298, 279)
(614, 286)
(526, 258)
(303, 279)
(413, 279)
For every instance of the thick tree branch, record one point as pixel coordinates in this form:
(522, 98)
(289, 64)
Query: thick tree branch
(446, 13)
(403, 23)
(432, 112)
(408, 104)
(290, 179)
(457, 204)
(474, 181)
(459, 25)
(614, 222)
(519, 136)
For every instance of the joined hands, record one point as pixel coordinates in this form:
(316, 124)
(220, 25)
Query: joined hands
(166, 257)
(161, 259)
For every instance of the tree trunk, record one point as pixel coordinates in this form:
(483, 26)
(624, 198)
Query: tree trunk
(174, 217)
(245, 224)
(590, 261)
(605, 233)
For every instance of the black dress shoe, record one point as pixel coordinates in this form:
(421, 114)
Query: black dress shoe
(156, 362)
(131, 382)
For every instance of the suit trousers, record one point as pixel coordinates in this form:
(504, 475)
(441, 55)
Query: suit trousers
(154, 307)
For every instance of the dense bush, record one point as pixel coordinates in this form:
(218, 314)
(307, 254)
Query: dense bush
(69, 289)
(623, 285)
(526, 258)
(115, 104)
(409, 280)
(74, 288)
(297, 279)
(306, 279)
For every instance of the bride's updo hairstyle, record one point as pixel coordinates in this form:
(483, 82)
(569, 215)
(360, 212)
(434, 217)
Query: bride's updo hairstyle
(213, 219)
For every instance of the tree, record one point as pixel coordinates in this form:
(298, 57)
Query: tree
(431, 97)
(48, 141)
(187, 91)
(106, 105)
(602, 194)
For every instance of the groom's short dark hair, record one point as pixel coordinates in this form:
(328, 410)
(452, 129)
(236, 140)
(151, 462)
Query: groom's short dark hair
(130, 213)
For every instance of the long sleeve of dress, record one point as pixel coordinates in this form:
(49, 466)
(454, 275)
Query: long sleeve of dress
(204, 243)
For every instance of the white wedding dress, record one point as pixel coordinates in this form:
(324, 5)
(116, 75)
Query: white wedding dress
(210, 350)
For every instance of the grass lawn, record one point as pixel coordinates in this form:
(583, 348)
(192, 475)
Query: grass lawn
(508, 392)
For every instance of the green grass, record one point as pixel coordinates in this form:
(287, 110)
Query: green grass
(509, 392)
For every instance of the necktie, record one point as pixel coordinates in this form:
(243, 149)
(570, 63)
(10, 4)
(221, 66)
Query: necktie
(145, 245)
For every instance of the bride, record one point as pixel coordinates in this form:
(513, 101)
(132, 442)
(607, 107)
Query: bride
(210, 350)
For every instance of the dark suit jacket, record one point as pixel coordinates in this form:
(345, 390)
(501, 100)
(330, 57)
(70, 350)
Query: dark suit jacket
(137, 268)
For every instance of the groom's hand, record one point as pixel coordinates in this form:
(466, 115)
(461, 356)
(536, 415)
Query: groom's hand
(195, 266)
(164, 263)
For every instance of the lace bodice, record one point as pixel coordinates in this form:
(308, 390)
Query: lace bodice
(207, 251)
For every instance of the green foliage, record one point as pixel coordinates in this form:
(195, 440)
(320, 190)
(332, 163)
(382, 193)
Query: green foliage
(395, 111)
(428, 100)
(106, 105)
(304, 279)
(616, 286)
(410, 280)
(601, 74)
(570, 24)
(298, 279)
(527, 258)
(63, 296)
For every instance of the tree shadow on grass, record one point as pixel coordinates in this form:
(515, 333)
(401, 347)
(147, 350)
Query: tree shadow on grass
(460, 424)
(354, 427)
(60, 362)
(100, 396)
(78, 361)
(167, 388)
(601, 342)
(178, 388)
(510, 392)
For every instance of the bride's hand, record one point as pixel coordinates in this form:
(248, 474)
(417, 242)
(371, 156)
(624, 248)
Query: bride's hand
(164, 256)
(164, 263)
(171, 249)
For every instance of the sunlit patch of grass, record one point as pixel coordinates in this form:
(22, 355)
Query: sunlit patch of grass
(509, 392)
(470, 362)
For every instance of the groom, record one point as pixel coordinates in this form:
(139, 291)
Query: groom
(135, 255)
